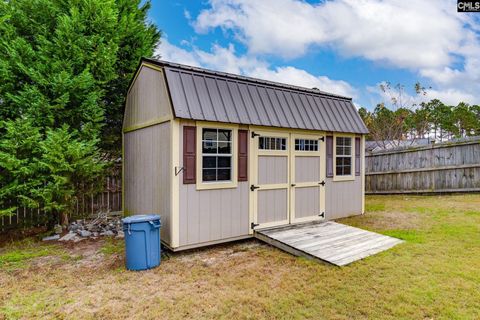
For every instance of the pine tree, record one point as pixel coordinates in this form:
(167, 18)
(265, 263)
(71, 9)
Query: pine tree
(64, 69)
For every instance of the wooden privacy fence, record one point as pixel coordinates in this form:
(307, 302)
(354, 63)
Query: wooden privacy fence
(110, 199)
(443, 167)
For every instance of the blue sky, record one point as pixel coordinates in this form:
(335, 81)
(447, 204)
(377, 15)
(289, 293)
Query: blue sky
(346, 47)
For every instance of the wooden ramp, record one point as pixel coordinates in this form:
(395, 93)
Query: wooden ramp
(332, 242)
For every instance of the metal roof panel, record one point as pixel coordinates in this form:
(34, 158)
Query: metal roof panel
(201, 94)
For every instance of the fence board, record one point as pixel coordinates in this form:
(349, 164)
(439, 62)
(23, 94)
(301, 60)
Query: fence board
(25, 217)
(440, 168)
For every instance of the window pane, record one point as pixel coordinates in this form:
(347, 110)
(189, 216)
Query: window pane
(209, 147)
(347, 170)
(278, 144)
(284, 144)
(209, 134)
(224, 162)
(272, 143)
(224, 135)
(267, 143)
(223, 174)
(304, 145)
(209, 175)
(224, 147)
(339, 150)
(347, 161)
(339, 171)
(347, 141)
(209, 162)
(216, 141)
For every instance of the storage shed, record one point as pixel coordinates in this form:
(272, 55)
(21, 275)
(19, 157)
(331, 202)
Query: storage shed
(219, 156)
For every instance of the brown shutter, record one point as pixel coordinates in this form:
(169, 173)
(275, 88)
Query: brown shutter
(329, 146)
(357, 156)
(189, 154)
(242, 155)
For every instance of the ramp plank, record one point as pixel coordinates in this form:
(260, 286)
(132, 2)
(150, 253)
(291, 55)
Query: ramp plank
(329, 241)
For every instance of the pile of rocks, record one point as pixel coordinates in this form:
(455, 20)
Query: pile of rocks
(106, 224)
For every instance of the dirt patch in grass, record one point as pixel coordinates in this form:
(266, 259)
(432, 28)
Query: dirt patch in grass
(220, 253)
(433, 275)
(386, 220)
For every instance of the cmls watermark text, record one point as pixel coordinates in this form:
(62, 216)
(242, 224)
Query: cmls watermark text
(468, 6)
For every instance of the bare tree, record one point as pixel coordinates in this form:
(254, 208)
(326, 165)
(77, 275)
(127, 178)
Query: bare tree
(391, 126)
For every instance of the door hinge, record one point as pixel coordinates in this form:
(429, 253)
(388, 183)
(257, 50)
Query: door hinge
(322, 215)
(322, 138)
(254, 134)
(253, 225)
(253, 187)
(322, 183)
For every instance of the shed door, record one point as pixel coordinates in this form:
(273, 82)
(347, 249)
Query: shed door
(270, 181)
(307, 178)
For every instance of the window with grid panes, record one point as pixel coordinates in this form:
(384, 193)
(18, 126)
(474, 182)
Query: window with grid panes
(216, 155)
(306, 145)
(272, 143)
(343, 158)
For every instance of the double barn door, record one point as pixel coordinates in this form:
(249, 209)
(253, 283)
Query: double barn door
(287, 178)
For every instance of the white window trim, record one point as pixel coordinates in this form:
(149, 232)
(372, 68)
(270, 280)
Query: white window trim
(199, 163)
(350, 177)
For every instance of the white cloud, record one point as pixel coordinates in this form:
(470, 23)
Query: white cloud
(407, 33)
(225, 59)
(427, 36)
(169, 52)
(450, 96)
(447, 96)
(302, 78)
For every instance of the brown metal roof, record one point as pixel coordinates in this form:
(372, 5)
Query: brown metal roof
(201, 94)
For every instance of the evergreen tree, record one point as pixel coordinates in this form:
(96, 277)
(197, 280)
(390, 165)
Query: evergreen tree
(64, 69)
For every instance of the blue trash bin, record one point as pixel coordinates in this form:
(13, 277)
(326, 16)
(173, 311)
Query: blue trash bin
(142, 241)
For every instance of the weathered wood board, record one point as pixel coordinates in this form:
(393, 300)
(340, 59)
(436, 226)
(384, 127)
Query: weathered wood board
(332, 242)
(447, 167)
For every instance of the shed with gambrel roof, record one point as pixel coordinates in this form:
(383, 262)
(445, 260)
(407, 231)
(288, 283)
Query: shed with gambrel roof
(219, 156)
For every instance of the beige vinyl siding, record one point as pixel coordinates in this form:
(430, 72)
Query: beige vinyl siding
(343, 198)
(272, 169)
(307, 169)
(147, 99)
(147, 173)
(307, 202)
(272, 205)
(210, 215)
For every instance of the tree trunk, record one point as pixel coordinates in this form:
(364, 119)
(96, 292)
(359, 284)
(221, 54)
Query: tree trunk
(64, 219)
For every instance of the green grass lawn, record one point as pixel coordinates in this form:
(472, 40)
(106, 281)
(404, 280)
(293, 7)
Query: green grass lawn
(435, 274)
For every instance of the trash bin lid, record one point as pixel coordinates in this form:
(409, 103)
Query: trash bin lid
(141, 218)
